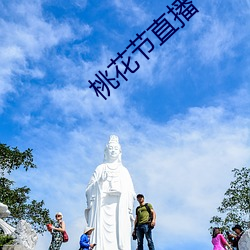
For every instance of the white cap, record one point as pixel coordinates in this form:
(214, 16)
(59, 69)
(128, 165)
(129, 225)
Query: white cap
(59, 213)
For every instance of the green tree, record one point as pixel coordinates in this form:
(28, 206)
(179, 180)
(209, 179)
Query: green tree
(235, 207)
(17, 199)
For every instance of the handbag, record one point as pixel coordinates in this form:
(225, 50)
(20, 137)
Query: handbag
(49, 227)
(134, 235)
(65, 236)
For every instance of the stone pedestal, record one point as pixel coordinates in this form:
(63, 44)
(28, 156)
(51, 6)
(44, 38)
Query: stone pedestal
(13, 247)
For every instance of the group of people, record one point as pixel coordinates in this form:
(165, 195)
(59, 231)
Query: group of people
(144, 223)
(219, 241)
(57, 234)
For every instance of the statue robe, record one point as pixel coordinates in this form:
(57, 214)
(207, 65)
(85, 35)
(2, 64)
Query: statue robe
(110, 197)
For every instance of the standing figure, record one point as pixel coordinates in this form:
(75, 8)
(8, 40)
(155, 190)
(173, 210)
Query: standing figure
(239, 232)
(218, 240)
(85, 239)
(110, 197)
(56, 231)
(144, 223)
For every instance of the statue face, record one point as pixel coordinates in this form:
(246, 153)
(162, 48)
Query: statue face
(114, 150)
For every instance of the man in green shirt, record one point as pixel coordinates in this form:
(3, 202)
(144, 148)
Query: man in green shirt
(144, 223)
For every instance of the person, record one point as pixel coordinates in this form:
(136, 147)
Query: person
(142, 226)
(110, 198)
(231, 240)
(56, 231)
(218, 240)
(239, 231)
(85, 239)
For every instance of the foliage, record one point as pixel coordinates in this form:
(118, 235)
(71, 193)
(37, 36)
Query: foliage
(236, 204)
(12, 159)
(6, 240)
(17, 199)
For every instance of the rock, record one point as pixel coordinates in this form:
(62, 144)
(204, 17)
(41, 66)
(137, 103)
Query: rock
(244, 242)
(25, 235)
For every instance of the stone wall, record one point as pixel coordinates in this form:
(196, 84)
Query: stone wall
(13, 247)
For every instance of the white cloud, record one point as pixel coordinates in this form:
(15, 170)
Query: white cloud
(25, 35)
(83, 102)
(217, 42)
(80, 3)
(32, 33)
(219, 30)
(240, 100)
(131, 12)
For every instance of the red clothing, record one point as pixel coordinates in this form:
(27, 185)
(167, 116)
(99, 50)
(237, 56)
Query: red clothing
(219, 242)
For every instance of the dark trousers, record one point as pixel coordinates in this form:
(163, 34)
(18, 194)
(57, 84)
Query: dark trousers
(142, 230)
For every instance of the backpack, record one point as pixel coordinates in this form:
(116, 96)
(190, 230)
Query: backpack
(149, 212)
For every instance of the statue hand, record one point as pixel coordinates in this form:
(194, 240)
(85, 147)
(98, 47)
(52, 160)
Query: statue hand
(132, 217)
(104, 176)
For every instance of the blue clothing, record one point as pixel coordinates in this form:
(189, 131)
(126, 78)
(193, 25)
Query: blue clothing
(141, 230)
(84, 242)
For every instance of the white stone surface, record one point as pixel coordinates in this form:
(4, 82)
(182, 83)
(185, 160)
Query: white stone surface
(25, 235)
(4, 212)
(7, 229)
(244, 242)
(110, 197)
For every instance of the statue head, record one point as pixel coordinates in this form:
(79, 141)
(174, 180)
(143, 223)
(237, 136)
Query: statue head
(113, 150)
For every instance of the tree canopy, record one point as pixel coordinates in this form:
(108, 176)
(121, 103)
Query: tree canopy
(12, 159)
(235, 207)
(17, 199)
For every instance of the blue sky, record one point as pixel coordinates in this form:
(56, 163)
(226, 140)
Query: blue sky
(183, 118)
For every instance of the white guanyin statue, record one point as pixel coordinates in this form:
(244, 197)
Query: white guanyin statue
(110, 198)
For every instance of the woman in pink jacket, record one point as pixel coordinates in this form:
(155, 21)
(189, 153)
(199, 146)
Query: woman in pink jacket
(218, 240)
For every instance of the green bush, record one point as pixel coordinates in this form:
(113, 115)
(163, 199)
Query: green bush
(6, 240)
